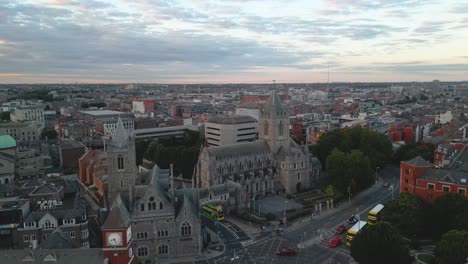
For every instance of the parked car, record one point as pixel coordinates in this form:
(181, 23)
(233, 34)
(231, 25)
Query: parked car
(340, 229)
(336, 241)
(352, 220)
(286, 252)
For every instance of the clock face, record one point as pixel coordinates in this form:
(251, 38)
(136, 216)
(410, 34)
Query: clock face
(114, 239)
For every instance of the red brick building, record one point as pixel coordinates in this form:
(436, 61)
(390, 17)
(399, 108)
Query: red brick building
(420, 177)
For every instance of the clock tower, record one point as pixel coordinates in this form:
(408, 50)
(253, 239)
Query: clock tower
(117, 235)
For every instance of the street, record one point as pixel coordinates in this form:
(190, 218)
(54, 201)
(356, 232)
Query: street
(312, 234)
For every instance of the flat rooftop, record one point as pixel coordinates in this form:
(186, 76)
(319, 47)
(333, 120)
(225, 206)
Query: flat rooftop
(102, 112)
(233, 119)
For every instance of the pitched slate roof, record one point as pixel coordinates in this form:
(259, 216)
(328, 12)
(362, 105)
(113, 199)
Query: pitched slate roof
(57, 256)
(119, 217)
(418, 162)
(57, 240)
(274, 104)
(239, 149)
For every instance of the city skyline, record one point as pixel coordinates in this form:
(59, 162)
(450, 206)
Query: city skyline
(241, 41)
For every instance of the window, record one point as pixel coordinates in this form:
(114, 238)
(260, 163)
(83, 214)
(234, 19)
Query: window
(45, 236)
(186, 229)
(430, 186)
(406, 180)
(266, 127)
(72, 234)
(299, 176)
(153, 205)
(303, 165)
(26, 238)
(407, 171)
(295, 166)
(149, 206)
(68, 221)
(48, 224)
(163, 233)
(84, 234)
(256, 186)
(462, 191)
(33, 237)
(120, 162)
(142, 207)
(163, 249)
(85, 244)
(445, 188)
(142, 251)
(7, 180)
(280, 128)
(161, 206)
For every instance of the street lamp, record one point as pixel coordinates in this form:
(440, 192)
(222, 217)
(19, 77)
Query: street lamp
(234, 257)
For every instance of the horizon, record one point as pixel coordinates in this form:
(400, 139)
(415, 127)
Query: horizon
(232, 42)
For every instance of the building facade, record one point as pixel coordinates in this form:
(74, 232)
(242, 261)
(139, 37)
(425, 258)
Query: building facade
(225, 130)
(421, 178)
(273, 163)
(33, 112)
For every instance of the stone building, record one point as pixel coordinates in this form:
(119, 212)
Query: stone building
(273, 163)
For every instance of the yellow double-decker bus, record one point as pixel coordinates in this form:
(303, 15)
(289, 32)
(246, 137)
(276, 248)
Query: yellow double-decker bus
(213, 211)
(353, 231)
(374, 214)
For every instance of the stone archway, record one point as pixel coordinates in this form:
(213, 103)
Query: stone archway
(299, 187)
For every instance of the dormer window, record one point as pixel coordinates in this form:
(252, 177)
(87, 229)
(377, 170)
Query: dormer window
(69, 221)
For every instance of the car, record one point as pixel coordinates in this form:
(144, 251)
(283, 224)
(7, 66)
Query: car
(340, 229)
(336, 241)
(386, 184)
(286, 251)
(352, 220)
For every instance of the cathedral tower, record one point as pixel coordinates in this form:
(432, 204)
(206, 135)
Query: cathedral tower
(121, 157)
(274, 124)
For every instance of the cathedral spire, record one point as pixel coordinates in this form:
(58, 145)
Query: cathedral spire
(274, 104)
(120, 137)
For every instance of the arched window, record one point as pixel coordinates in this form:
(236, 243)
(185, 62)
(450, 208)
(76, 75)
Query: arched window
(149, 206)
(146, 234)
(161, 206)
(280, 128)
(186, 229)
(7, 181)
(166, 233)
(142, 207)
(154, 205)
(120, 162)
(142, 251)
(266, 127)
(163, 249)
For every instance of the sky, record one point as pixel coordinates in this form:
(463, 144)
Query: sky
(232, 41)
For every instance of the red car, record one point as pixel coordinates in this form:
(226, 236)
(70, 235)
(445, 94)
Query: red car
(286, 252)
(340, 229)
(336, 241)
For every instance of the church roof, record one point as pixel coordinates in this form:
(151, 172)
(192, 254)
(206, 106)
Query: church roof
(239, 149)
(274, 103)
(119, 217)
(120, 136)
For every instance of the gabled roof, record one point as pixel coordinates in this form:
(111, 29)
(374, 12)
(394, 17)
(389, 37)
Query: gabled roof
(119, 217)
(57, 240)
(418, 162)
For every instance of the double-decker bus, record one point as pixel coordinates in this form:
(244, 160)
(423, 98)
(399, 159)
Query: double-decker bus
(353, 231)
(374, 214)
(213, 211)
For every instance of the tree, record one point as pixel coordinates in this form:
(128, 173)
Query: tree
(336, 168)
(453, 248)
(449, 211)
(380, 243)
(5, 116)
(412, 150)
(49, 133)
(407, 214)
(330, 191)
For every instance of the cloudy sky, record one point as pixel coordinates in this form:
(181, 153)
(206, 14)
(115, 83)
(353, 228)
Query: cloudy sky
(220, 41)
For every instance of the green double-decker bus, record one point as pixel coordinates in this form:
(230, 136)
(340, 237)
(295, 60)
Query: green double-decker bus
(213, 211)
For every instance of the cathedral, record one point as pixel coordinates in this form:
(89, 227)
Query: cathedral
(147, 215)
(274, 163)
